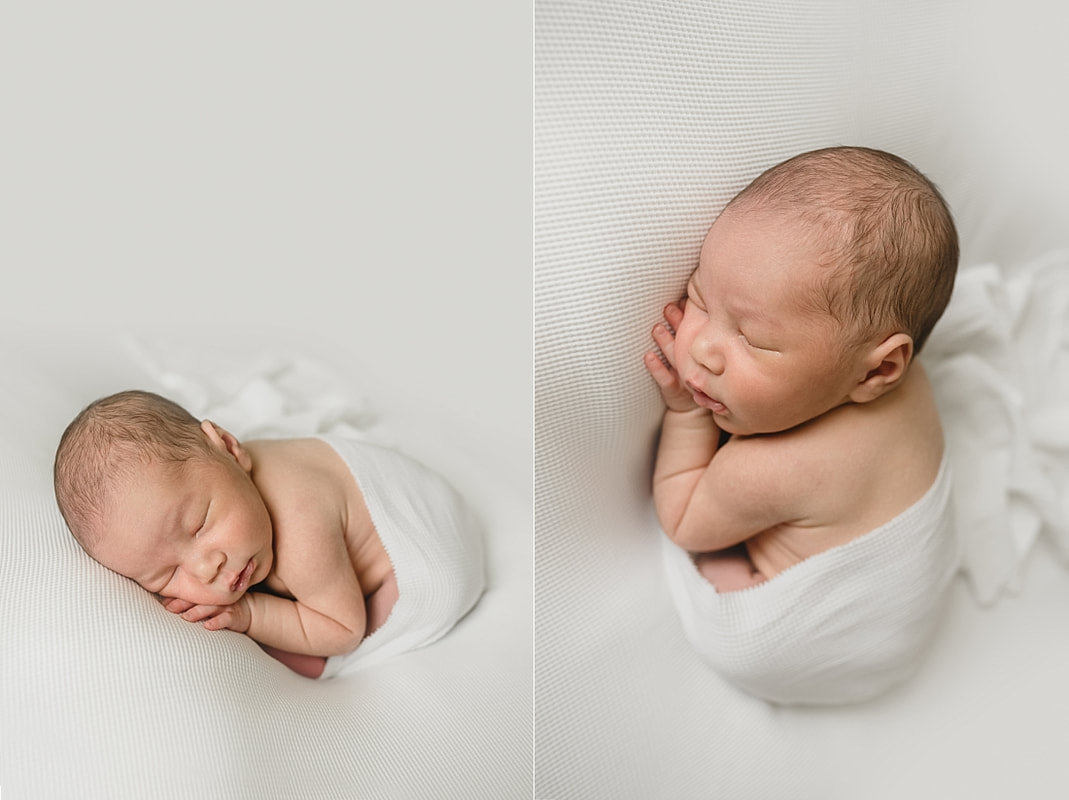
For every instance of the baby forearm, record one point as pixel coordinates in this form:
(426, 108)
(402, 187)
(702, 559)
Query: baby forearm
(689, 440)
(288, 625)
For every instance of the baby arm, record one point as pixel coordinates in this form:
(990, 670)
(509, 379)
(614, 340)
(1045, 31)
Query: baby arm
(296, 627)
(689, 435)
(284, 624)
(710, 496)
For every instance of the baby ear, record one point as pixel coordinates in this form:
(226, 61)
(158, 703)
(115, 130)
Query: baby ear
(885, 366)
(226, 442)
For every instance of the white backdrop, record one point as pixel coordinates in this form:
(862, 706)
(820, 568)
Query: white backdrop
(361, 171)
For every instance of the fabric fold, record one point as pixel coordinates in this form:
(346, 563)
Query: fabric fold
(272, 394)
(999, 365)
(842, 626)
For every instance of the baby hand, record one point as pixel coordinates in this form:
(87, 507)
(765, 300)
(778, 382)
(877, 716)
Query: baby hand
(675, 395)
(234, 617)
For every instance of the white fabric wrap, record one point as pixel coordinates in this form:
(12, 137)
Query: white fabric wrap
(841, 626)
(433, 541)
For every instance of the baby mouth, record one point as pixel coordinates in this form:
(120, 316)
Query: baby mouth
(705, 401)
(241, 582)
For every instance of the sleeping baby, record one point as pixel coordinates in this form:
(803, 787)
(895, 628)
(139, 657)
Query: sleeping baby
(798, 419)
(331, 553)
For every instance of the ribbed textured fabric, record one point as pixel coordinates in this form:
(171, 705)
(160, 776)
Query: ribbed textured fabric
(842, 626)
(434, 543)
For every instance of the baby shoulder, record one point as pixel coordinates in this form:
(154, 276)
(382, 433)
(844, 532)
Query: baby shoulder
(854, 449)
(300, 469)
(304, 493)
(803, 461)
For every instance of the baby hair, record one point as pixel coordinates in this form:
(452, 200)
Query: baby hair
(106, 444)
(889, 237)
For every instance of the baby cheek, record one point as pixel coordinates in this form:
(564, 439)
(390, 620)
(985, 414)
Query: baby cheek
(779, 408)
(179, 588)
(685, 339)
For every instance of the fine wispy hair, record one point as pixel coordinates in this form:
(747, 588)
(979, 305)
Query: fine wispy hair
(106, 445)
(890, 244)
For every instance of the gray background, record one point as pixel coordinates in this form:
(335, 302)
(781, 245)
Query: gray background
(360, 171)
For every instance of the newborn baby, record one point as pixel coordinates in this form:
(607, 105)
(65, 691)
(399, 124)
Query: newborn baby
(816, 287)
(315, 548)
(801, 475)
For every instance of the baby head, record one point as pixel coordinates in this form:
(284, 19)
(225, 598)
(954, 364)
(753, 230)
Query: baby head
(890, 248)
(158, 496)
(817, 285)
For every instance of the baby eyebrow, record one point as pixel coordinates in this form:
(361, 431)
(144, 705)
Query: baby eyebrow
(752, 313)
(173, 519)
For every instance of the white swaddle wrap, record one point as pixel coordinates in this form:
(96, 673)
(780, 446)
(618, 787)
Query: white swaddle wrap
(433, 541)
(838, 627)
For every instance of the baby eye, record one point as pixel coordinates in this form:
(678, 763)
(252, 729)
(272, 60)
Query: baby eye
(753, 346)
(748, 343)
(203, 523)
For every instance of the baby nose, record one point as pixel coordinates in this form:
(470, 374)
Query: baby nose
(706, 351)
(208, 565)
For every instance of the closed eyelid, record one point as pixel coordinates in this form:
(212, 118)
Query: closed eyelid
(746, 339)
(204, 520)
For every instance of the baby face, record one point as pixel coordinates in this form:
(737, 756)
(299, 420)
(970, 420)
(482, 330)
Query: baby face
(749, 348)
(200, 533)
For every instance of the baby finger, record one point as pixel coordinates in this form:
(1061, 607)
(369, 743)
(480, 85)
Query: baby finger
(673, 313)
(661, 374)
(665, 340)
(176, 605)
(217, 623)
(198, 613)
